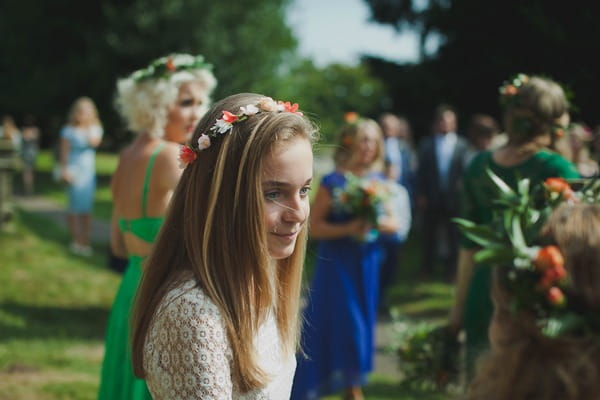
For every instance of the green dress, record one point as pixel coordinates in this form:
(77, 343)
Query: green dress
(117, 380)
(479, 193)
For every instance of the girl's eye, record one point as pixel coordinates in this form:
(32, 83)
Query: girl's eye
(305, 190)
(187, 102)
(271, 195)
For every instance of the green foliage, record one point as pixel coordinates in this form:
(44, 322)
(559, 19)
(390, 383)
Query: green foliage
(327, 93)
(60, 50)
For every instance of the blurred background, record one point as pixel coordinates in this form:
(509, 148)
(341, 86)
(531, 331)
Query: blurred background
(367, 56)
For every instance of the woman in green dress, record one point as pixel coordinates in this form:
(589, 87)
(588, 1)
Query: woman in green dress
(535, 113)
(162, 104)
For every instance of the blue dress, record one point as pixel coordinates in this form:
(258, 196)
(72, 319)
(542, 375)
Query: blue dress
(81, 165)
(341, 312)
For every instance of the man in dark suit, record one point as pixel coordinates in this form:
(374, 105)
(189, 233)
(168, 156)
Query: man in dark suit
(442, 158)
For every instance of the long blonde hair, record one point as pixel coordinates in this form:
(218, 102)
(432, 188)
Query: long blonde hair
(72, 115)
(522, 362)
(215, 230)
(347, 142)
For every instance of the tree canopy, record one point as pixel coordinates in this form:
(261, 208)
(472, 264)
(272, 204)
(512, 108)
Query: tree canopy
(483, 43)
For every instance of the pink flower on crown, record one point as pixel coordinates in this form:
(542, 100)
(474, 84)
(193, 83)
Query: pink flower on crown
(268, 104)
(203, 142)
(186, 156)
(287, 106)
(229, 117)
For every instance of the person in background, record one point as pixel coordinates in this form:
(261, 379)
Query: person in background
(79, 139)
(526, 363)
(580, 137)
(217, 312)
(482, 132)
(10, 132)
(342, 301)
(162, 105)
(534, 108)
(29, 151)
(399, 151)
(442, 160)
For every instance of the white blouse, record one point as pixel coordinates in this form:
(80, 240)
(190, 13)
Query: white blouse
(187, 353)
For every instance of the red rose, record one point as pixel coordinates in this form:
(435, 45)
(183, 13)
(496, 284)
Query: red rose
(187, 155)
(555, 296)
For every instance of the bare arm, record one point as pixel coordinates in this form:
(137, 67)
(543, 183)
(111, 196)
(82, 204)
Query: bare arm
(65, 147)
(95, 138)
(320, 228)
(466, 265)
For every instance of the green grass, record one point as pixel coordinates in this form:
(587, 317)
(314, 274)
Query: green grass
(53, 313)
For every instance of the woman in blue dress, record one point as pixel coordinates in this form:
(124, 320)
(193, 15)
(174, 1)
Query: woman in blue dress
(79, 139)
(341, 311)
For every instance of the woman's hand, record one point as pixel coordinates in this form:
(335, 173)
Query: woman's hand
(65, 175)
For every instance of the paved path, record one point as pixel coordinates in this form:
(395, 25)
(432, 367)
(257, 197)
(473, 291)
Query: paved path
(385, 364)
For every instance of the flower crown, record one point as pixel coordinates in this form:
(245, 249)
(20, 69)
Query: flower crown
(510, 89)
(188, 154)
(166, 66)
(535, 275)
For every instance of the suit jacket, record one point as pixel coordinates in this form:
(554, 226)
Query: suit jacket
(446, 200)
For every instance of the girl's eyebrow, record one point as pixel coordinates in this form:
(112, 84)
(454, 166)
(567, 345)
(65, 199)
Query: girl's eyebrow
(282, 184)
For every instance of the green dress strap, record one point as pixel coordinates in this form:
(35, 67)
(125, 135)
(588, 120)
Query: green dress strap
(146, 186)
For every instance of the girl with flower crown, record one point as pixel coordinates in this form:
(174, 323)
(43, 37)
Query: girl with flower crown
(341, 310)
(162, 105)
(526, 361)
(216, 315)
(535, 110)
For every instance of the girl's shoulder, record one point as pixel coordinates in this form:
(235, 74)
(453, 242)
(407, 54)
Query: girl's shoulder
(188, 300)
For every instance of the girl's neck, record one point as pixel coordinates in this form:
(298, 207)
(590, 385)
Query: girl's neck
(357, 169)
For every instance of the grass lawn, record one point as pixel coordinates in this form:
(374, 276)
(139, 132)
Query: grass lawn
(54, 306)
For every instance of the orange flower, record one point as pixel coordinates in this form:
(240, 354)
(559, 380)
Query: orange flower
(170, 65)
(559, 132)
(510, 90)
(351, 117)
(548, 257)
(293, 108)
(555, 296)
(557, 185)
(551, 276)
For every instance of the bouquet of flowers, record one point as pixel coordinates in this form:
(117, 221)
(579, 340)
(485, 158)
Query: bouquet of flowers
(362, 197)
(534, 271)
(429, 356)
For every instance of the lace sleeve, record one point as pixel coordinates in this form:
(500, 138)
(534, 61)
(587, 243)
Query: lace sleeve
(187, 353)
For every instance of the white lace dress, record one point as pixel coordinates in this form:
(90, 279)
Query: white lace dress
(187, 353)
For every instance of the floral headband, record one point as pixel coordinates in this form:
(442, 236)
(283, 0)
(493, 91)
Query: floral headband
(510, 89)
(165, 66)
(535, 275)
(188, 154)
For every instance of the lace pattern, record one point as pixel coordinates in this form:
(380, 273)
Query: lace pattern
(187, 354)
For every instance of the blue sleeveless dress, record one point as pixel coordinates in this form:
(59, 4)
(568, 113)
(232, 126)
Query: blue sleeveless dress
(117, 380)
(341, 312)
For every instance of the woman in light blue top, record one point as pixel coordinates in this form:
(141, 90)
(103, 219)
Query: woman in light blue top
(79, 139)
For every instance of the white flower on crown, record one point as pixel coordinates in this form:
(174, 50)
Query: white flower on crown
(221, 126)
(203, 142)
(250, 109)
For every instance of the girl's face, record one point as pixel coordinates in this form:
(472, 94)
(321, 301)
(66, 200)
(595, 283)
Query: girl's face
(286, 184)
(84, 114)
(184, 115)
(366, 147)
